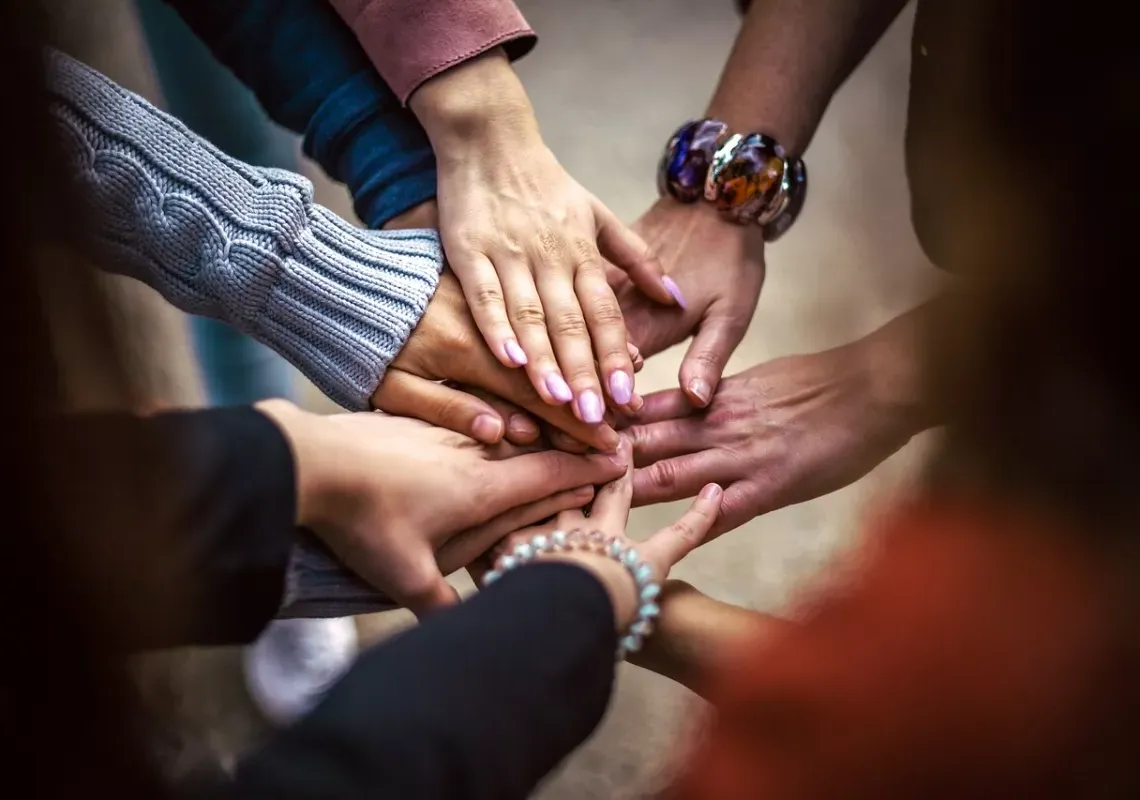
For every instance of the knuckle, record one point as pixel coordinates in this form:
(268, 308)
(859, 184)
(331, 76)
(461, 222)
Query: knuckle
(549, 243)
(487, 295)
(586, 254)
(685, 530)
(529, 314)
(570, 324)
(663, 474)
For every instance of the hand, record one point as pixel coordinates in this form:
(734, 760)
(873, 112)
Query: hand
(446, 346)
(526, 240)
(392, 496)
(782, 432)
(610, 515)
(719, 269)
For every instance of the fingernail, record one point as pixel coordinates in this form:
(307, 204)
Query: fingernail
(590, 407)
(618, 458)
(636, 403)
(621, 388)
(558, 388)
(487, 428)
(700, 390)
(633, 351)
(521, 426)
(711, 492)
(672, 288)
(611, 441)
(514, 352)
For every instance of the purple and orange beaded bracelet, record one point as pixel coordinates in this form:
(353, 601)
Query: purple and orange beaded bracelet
(750, 178)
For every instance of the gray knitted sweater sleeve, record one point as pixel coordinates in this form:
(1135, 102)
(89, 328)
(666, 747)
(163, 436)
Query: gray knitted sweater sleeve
(219, 238)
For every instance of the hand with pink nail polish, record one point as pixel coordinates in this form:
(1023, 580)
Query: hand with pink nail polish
(715, 270)
(527, 241)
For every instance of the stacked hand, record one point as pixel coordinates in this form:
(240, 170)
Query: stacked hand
(402, 502)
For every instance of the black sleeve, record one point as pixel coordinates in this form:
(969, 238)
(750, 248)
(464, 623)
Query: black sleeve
(213, 493)
(480, 702)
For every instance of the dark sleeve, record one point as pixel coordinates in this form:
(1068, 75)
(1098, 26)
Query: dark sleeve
(217, 487)
(311, 76)
(480, 702)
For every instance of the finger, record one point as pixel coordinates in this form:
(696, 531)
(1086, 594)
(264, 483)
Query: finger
(737, 507)
(663, 440)
(465, 548)
(607, 331)
(521, 428)
(678, 478)
(484, 295)
(515, 481)
(635, 357)
(665, 405)
(571, 339)
(565, 442)
(669, 545)
(708, 354)
(610, 511)
(408, 395)
(525, 310)
(408, 574)
(629, 252)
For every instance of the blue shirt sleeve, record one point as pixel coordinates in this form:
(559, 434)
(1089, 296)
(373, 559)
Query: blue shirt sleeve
(311, 76)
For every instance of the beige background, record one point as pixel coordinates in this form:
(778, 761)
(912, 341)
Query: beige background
(610, 80)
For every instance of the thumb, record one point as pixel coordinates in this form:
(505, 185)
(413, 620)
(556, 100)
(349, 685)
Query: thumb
(408, 574)
(704, 363)
(407, 395)
(628, 252)
(669, 545)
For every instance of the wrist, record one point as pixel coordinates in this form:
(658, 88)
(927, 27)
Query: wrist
(891, 357)
(476, 106)
(301, 430)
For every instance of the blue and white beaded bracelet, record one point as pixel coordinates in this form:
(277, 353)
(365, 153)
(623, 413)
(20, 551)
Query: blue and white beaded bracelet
(599, 543)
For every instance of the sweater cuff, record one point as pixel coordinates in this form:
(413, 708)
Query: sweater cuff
(345, 301)
(410, 41)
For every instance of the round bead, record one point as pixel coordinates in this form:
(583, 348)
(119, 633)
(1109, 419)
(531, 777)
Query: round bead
(616, 548)
(491, 577)
(745, 179)
(630, 558)
(540, 543)
(642, 628)
(650, 592)
(643, 574)
(649, 611)
(631, 644)
(507, 563)
(685, 163)
(559, 539)
(524, 552)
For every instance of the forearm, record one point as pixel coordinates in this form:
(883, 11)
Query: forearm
(790, 57)
(219, 238)
(311, 75)
(696, 635)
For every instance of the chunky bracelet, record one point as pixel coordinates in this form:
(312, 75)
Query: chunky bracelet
(749, 177)
(596, 542)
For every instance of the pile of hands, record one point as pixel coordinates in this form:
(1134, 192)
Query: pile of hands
(520, 376)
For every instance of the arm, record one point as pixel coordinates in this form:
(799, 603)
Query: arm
(311, 76)
(458, 707)
(220, 238)
(696, 635)
(411, 41)
(209, 509)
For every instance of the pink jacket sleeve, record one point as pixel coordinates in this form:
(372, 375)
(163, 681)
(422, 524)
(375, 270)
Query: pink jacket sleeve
(410, 41)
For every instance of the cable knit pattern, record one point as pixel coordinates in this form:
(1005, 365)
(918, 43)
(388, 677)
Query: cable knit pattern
(247, 245)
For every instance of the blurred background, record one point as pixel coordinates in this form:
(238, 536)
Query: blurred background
(610, 80)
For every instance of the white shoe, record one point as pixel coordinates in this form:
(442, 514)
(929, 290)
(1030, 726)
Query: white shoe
(289, 669)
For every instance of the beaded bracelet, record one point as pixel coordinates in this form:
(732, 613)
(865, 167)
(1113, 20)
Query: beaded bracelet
(749, 177)
(596, 542)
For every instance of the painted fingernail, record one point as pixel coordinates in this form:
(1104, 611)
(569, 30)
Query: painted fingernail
(700, 390)
(672, 288)
(514, 352)
(621, 388)
(522, 427)
(590, 407)
(711, 492)
(487, 428)
(558, 388)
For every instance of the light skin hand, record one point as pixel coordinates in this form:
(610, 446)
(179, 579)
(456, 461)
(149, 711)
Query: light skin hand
(526, 241)
(786, 431)
(719, 269)
(391, 495)
(610, 515)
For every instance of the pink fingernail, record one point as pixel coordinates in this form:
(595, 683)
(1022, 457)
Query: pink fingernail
(558, 388)
(711, 492)
(672, 288)
(590, 407)
(621, 388)
(514, 352)
(487, 428)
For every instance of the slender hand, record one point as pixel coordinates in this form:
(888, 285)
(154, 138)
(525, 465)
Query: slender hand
(526, 240)
(786, 431)
(401, 502)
